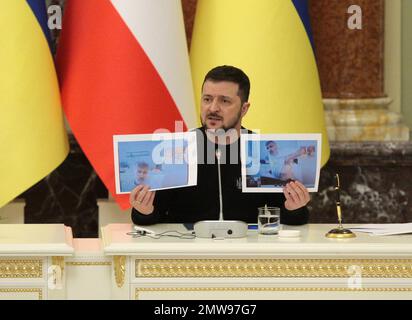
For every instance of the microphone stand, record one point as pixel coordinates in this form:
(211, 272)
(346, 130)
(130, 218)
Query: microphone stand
(220, 229)
(218, 155)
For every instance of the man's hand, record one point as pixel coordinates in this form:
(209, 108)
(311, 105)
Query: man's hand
(142, 199)
(297, 196)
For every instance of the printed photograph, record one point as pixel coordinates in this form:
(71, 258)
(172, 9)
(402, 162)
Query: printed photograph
(270, 161)
(161, 161)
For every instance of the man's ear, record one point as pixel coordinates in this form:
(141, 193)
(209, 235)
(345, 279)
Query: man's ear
(245, 108)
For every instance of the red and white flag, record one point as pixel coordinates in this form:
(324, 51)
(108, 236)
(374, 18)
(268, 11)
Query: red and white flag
(123, 68)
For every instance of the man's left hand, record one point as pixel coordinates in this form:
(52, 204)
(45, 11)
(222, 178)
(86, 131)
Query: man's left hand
(297, 196)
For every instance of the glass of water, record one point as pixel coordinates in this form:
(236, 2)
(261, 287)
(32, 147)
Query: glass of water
(268, 220)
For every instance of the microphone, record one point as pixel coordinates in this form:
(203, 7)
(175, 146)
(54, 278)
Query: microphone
(220, 229)
(218, 155)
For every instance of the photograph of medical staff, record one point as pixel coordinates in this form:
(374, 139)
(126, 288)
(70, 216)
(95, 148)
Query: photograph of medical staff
(271, 163)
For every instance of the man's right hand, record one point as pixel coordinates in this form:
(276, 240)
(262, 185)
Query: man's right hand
(142, 199)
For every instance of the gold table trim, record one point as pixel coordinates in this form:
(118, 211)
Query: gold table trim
(23, 290)
(277, 289)
(277, 268)
(21, 268)
(59, 262)
(88, 263)
(119, 264)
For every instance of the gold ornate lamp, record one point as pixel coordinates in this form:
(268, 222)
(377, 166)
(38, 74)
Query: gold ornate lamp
(340, 232)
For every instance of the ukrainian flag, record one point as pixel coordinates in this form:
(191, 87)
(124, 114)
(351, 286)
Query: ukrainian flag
(270, 40)
(33, 140)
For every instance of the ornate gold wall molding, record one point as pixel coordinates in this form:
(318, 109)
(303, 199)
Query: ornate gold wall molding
(283, 268)
(15, 268)
(119, 269)
(278, 289)
(23, 290)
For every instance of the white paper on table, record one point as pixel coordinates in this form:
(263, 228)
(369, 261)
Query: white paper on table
(384, 229)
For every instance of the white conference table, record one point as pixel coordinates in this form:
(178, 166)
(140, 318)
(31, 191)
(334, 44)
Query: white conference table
(32, 260)
(259, 266)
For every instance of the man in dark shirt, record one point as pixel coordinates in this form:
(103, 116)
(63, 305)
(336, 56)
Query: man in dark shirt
(224, 103)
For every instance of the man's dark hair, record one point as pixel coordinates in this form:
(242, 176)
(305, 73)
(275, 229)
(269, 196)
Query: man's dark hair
(142, 164)
(269, 142)
(231, 74)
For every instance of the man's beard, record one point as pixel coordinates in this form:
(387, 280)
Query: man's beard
(230, 125)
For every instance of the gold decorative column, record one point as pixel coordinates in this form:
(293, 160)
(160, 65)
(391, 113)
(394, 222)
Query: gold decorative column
(119, 268)
(351, 68)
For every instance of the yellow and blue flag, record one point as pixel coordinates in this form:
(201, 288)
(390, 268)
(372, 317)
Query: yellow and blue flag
(271, 41)
(33, 140)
